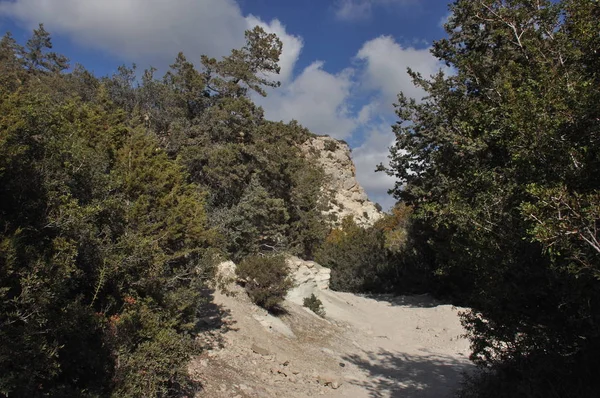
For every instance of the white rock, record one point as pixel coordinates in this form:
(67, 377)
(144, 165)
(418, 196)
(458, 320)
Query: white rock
(309, 278)
(226, 269)
(350, 197)
(274, 324)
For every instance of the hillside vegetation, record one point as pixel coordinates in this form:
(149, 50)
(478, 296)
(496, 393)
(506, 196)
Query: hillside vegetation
(501, 164)
(119, 194)
(117, 197)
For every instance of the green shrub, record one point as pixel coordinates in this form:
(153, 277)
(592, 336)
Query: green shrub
(314, 304)
(266, 279)
(355, 255)
(330, 146)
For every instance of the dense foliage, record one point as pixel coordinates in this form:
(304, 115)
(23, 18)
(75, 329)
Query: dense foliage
(501, 164)
(116, 194)
(377, 258)
(266, 279)
(355, 255)
(262, 193)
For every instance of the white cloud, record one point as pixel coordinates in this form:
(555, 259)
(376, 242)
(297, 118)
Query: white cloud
(373, 151)
(385, 68)
(351, 10)
(153, 31)
(139, 30)
(320, 101)
(317, 99)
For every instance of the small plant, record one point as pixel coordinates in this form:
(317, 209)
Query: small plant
(330, 146)
(266, 279)
(315, 305)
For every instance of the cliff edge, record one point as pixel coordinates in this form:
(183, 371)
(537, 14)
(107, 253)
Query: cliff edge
(348, 198)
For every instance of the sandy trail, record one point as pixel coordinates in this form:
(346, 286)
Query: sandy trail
(374, 347)
(401, 346)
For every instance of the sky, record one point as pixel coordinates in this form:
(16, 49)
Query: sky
(342, 66)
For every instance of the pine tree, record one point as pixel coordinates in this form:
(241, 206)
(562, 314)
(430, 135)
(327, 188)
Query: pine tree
(500, 163)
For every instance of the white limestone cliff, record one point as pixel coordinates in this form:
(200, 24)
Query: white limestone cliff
(348, 197)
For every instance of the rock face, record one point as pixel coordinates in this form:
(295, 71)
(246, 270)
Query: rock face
(309, 278)
(348, 197)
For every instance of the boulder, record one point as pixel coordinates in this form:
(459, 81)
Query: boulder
(309, 278)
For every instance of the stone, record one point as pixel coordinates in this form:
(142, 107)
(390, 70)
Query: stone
(226, 270)
(350, 198)
(328, 351)
(328, 380)
(260, 351)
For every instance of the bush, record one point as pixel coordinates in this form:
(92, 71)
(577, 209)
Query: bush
(330, 146)
(535, 376)
(356, 256)
(267, 279)
(314, 304)
(380, 258)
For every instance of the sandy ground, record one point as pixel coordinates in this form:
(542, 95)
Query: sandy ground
(379, 346)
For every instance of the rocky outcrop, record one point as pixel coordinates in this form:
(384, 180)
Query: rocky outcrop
(309, 278)
(348, 198)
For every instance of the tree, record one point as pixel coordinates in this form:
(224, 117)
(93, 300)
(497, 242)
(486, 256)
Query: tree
(266, 279)
(36, 56)
(104, 245)
(10, 64)
(356, 257)
(256, 224)
(111, 191)
(251, 65)
(499, 162)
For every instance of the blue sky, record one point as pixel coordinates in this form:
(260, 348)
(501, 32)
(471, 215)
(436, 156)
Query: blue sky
(343, 61)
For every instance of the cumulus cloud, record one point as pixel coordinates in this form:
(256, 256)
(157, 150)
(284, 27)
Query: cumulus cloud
(317, 99)
(383, 71)
(139, 30)
(385, 65)
(351, 10)
(373, 151)
(153, 31)
(321, 101)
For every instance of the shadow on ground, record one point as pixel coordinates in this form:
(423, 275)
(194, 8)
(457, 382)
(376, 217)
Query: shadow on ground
(414, 301)
(213, 321)
(398, 375)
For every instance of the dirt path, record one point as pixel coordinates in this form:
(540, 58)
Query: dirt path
(405, 346)
(366, 347)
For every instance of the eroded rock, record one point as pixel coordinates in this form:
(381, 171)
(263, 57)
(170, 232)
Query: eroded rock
(309, 278)
(348, 197)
